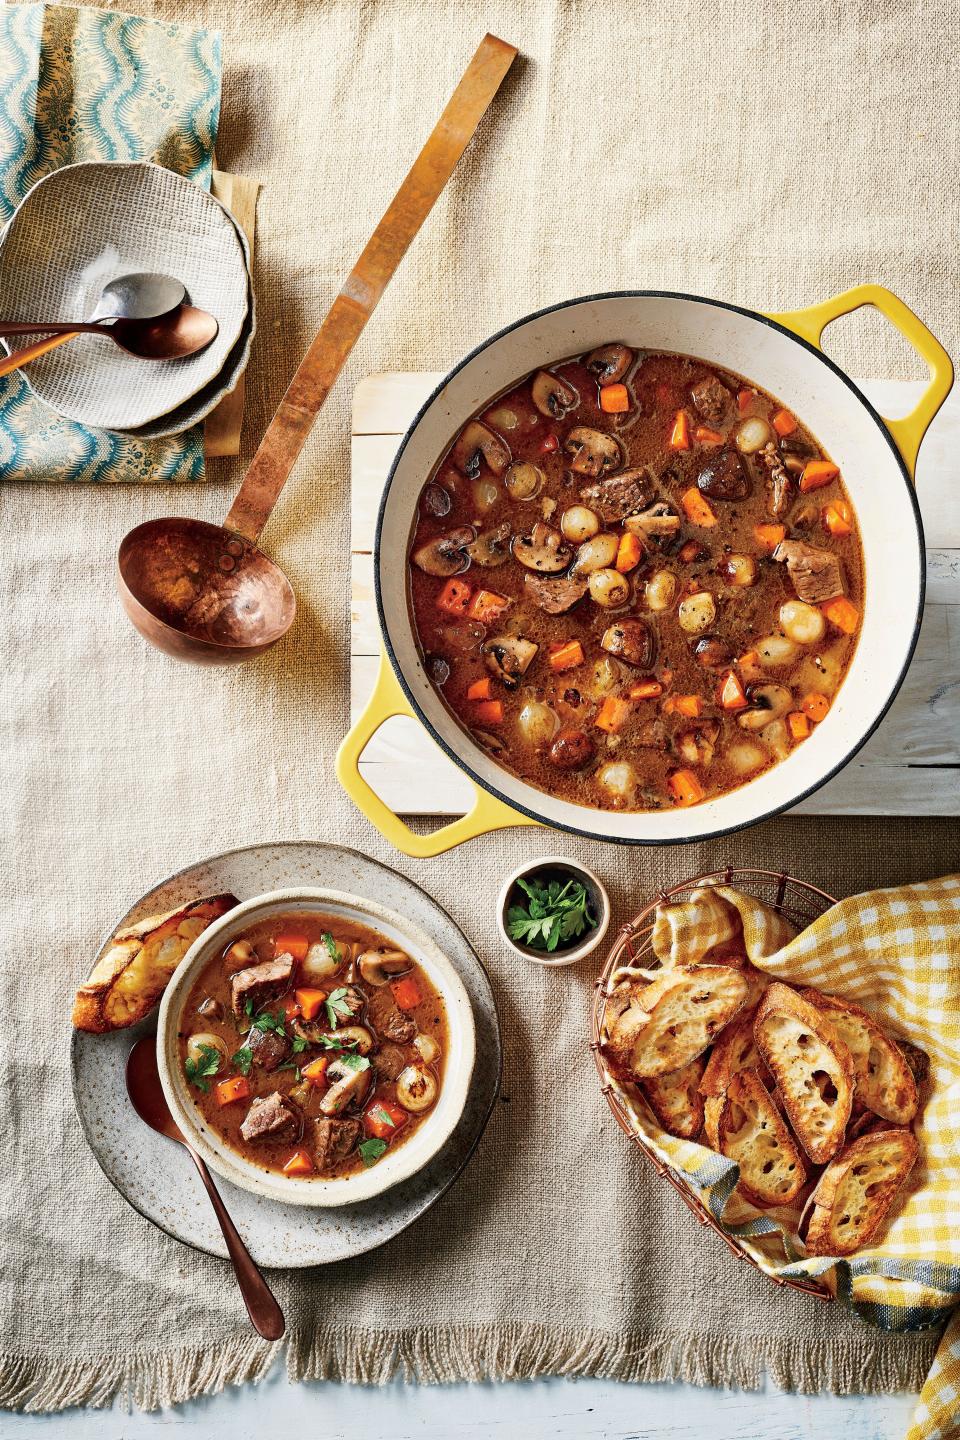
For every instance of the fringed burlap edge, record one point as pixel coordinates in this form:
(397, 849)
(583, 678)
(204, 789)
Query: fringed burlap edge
(439, 1355)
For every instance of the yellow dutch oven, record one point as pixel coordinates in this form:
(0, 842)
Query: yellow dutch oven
(780, 353)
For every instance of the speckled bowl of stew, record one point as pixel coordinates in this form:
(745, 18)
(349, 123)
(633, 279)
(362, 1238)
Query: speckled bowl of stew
(444, 1010)
(775, 363)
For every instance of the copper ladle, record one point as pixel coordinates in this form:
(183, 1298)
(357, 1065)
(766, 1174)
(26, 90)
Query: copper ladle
(205, 592)
(147, 1097)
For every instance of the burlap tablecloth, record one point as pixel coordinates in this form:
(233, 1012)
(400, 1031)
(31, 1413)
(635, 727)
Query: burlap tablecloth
(769, 155)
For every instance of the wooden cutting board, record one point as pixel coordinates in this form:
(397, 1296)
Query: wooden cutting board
(911, 766)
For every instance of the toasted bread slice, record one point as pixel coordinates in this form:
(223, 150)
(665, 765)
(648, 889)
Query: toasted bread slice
(757, 980)
(812, 1068)
(676, 1100)
(855, 1193)
(883, 1081)
(734, 1050)
(132, 974)
(745, 1125)
(657, 1028)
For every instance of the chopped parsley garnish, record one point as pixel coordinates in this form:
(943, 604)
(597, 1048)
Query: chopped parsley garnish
(333, 950)
(241, 1059)
(333, 1042)
(354, 1061)
(337, 1006)
(206, 1063)
(371, 1150)
(298, 1044)
(557, 913)
(266, 1021)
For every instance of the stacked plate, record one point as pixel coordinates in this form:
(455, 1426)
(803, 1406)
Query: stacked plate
(80, 228)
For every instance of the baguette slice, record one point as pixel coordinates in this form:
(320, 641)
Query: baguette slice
(811, 1066)
(676, 1100)
(883, 1081)
(855, 1193)
(132, 974)
(745, 1125)
(657, 1028)
(735, 1050)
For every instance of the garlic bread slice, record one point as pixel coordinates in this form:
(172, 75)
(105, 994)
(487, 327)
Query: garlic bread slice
(745, 1125)
(856, 1192)
(883, 1080)
(657, 1028)
(676, 1100)
(811, 1066)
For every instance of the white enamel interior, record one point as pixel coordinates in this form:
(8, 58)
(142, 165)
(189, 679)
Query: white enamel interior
(841, 421)
(397, 1164)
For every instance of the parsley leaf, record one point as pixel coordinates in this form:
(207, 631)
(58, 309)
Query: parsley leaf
(333, 1042)
(333, 949)
(337, 1006)
(206, 1063)
(266, 1021)
(353, 1061)
(371, 1150)
(242, 1059)
(556, 911)
(382, 1117)
(298, 1044)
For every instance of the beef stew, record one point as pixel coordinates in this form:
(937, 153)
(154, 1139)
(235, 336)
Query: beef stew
(636, 579)
(313, 1045)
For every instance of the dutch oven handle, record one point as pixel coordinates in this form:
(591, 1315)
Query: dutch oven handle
(909, 431)
(488, 812)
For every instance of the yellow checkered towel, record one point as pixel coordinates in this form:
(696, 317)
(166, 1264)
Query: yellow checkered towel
(896, 953)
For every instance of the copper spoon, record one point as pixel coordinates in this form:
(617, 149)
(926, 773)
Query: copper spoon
(205, 592)
(184, 331)
(147, 1097)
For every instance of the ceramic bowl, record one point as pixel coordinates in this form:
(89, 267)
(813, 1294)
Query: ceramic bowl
(82, 226)
(599, 906)
(396, 1165)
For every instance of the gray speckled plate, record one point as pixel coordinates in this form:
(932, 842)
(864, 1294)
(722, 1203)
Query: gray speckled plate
(157, 1177)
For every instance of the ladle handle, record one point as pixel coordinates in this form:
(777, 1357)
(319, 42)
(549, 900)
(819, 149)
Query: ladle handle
(265, 1314)
(289, 428)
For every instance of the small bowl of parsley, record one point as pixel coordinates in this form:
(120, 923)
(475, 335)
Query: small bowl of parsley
(553, 910)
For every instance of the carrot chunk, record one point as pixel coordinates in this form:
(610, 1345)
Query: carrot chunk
(406, 992)
(383, 1118)
(817, 473)
(299, 1163)
(784, 423)
(680, 434)
(732, 694)
(612, 714)
(837, 518)
(316, 1071)
(290, 1008)
(629, 553)
(705, 436)
(799, 724)
(614, 399)
(685, 787)
(769, 536)
(310, 1002)
(745, 399)
(842, 614)
(237, 1087)
(689, 705)
(565, 656)
(815, 705)
(295, 945)
(480, 689)
(454, 597)
(646, 690)
(487, 606)
(698, 510)
(489, 712)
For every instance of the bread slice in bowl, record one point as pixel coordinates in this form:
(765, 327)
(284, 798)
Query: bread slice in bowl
(811, 1066)
(883, 1080)
(745, 1125)
(856, 1192)
(735, 1049)
(653, 1029)
(676, 1100)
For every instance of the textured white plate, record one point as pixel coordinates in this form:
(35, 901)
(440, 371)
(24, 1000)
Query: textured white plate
(82, 226)
(157, 1177)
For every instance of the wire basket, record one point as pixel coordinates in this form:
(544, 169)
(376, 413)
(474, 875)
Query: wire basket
(801, 904)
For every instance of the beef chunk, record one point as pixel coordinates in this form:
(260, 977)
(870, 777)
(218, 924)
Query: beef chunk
(816, 574)
(389, 1061)
(353, 1000)
(260, 983)
(387, 1019)
(270, 1049)
(333, 1141)
(711, 399)
(780, 488)
(554, 596)
(619, 495)
(268, 1115)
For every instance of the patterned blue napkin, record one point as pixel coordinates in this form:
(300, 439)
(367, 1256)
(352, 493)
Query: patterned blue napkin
(85, 84)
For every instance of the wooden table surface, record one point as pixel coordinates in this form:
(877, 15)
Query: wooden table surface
(911, 766)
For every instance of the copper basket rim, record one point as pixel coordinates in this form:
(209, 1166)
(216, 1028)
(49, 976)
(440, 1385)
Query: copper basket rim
(728, 875)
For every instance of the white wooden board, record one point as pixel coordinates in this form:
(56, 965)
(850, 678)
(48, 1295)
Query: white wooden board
(911, 766)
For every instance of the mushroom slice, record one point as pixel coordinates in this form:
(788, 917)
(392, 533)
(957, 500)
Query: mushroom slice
(445, 555)
(491, 547)
(350, 1077)
(552, 396)
(378, 966)
(657, 522)
(416, 1088)
(594, 453)
(508, 657)
(494, 743)
(478, 442)
(767, 703)
(632, 641)
(542, 550)
(609, 363)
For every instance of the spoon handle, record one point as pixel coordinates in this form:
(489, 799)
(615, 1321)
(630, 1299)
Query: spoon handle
(52, 327)
(265, 1314)
(287, 432)
(22, 357)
